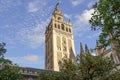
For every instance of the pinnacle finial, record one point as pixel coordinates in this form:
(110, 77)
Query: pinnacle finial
(97, 44)
(81, 53)
(69, 20)
(81, 49)
(86, 49)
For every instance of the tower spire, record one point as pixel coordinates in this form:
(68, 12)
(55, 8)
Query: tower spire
(57, 11)
(81, 49)
(69, 20)
(81, 53)
(97, 44)
(86, 49)
(99, 50)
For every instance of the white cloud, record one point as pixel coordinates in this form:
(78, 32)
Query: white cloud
(36, 5)
(33, 36)
(76, 2)
(32, 7)
(31, 58)
(85, 16)
(6, 4)
(96, 34)
(93, 54)
(67, 16)
(91, 3)
(81, 22)
(29, 32)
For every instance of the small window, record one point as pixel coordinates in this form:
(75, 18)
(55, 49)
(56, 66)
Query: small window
(55, 26)
(58, 26)
(70, 30)
(59, 18)
(67, 29)
(62, 25)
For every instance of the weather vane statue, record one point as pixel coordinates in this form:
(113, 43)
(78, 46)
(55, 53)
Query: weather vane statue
(57, 4)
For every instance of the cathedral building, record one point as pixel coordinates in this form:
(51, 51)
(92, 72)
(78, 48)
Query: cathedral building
(59, 42)
(111, 53)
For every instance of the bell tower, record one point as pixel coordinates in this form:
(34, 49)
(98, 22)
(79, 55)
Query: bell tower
(59, 42)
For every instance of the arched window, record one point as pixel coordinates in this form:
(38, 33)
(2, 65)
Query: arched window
(59, 18)
(62, 25)
(69, 30)
(58, 26)
(55, 25)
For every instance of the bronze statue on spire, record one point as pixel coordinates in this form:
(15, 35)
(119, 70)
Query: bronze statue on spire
(57, 4)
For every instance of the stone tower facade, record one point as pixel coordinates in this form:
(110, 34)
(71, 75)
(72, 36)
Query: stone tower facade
(59, 42)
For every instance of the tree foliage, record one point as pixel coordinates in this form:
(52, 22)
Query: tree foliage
(106, 17)
(87, 67)
(8, 71)
(2, 50)
(96, 68)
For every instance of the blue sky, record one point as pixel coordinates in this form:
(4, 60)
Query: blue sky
(23, 23)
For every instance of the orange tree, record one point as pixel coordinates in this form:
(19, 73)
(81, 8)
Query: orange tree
(86, 67)
(68, 72)
(8, 71)
(96, 68)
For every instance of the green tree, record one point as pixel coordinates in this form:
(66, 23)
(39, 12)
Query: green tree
(106, 17)
(87, 67)
(2, 50)
(96, 68)
(8, 71)
(69, 69)
(68, 72)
